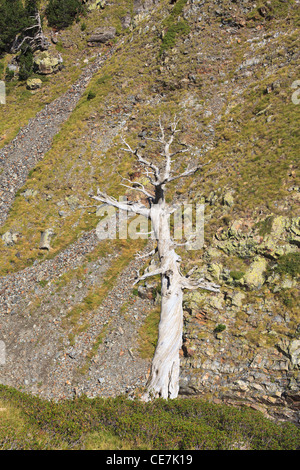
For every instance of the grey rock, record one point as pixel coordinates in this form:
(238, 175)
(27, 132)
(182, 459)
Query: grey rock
(102, 35)
(45, 239)
(10, 238)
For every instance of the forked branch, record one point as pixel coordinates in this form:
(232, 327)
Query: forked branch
(135, 207)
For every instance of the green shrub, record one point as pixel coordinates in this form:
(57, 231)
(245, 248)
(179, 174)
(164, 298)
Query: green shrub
(2, 67)
(169, 40)
(169, 425)
(13, 20)
(175, 26)
(91, 95)
(9, 75)
(220, 328)
(62, 13)
(25, 62)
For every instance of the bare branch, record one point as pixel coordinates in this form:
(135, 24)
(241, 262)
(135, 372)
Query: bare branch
(187, 172)
(146, 255)
(36, 41)
(178, 151)
(129, 206)
(159, 141)
(140, 188)
(161, 129)
(146, 275)
(143, 161)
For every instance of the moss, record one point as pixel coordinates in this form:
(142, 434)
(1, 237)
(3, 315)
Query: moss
(289, 298)
(289, 264)
(237, 275)
(169, 39)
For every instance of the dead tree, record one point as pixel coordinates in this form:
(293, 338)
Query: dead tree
(33, 36)
(164, 377)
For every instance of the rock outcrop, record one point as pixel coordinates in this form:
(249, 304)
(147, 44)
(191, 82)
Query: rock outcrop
(102, 35)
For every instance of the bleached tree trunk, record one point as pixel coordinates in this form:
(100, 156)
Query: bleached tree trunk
(164, 376)
(33, 36)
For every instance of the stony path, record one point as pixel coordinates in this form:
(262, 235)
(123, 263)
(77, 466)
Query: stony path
(35, 139)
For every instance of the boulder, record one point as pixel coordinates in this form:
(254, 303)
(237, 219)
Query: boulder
(73, 202)
(30, 193)
(228, 199)
(237, 299)
(291, 349)
(215, 270)
(10, 238)
(96, 5)
(254, 277)
(34, 83)
(46, 64)
(102, 35)
(45, 239)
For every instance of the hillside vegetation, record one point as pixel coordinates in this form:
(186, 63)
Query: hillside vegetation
(120, 424)
(72, 322)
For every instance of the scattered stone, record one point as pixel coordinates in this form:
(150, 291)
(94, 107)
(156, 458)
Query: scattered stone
(73, 202)
(228, 199)
(34, 83)
(46, 239)
(30, 193)
(10, 238)
(126, 21)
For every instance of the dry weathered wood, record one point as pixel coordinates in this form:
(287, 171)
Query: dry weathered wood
(36, 41)
(164, 377)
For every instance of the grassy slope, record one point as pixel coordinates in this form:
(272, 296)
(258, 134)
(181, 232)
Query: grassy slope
(260, 130)
(76, 164)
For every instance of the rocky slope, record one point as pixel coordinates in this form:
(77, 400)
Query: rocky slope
(70, 319)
